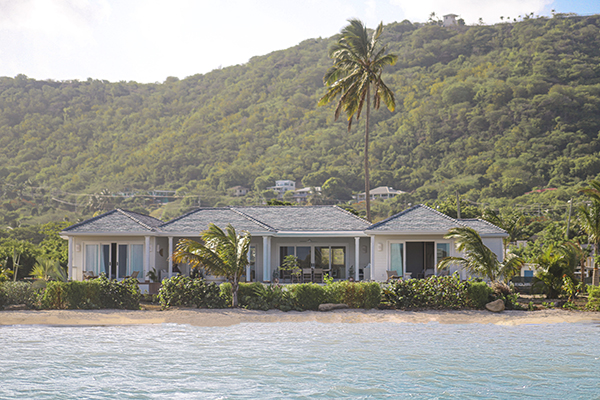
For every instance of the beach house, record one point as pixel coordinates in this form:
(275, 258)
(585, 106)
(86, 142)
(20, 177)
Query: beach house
(122, 243)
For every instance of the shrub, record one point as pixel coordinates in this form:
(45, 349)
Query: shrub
(123, 294)
(72, 295)
(308, 296)
(187, 292)
(442, 292)
(479, 294)
(593, 303)
(19, 293)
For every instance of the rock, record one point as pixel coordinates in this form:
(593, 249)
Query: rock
(495, 306)
(16, 307)
(331, 307)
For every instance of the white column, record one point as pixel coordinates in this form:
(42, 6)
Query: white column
(171, 256)
(372, 258)
(147, 256)
(266, 258)
(356, 257)
(70, 261)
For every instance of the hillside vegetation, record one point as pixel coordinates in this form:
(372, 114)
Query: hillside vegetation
(490, 111)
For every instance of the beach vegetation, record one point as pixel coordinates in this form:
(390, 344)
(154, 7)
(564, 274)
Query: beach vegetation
(589, 219)
(435, 292)
(593, 303)
(183, 291)
(555, 273)
(223, 254)
(19, 293)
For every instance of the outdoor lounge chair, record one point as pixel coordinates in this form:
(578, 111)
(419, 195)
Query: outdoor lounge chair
(88, 275)
(134, 274)
(392, 275)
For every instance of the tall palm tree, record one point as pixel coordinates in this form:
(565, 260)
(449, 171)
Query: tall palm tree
(221, 254)
(479, 259)
(356, 73)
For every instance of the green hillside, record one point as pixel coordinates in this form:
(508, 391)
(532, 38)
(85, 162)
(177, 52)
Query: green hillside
(490, 111)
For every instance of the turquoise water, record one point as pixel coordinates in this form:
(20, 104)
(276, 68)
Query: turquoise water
(301, 360)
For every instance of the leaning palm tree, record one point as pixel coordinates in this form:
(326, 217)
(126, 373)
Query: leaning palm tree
(355, 75)
(479, 259)
(221, 254)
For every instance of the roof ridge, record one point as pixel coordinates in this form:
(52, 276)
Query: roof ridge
(243, 214)
(195, 210)
(354, 215)
(127, 213)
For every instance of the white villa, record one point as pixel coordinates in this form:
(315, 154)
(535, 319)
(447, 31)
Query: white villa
(381, 193)
(411, 243)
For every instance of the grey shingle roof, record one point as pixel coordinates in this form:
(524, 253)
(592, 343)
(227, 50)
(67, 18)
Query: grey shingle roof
(483, 227)
(116, 221)
(306, 219)
(423, 219)
(418, 218)
(199, 220)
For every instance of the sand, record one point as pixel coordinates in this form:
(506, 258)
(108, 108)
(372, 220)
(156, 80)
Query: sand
(230, 317)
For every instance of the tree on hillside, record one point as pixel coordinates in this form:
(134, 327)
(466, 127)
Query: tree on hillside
(589, 219)
(221, 254)
(479, 259)
(356, 73)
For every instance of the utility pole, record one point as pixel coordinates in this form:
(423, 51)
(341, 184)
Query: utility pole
(569, 217)
(457, 205)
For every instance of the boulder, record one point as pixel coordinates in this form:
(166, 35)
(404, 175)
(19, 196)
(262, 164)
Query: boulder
(16, 307)
(331, 307)
(495, 306)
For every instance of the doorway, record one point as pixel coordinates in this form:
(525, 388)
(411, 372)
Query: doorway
(420, 259)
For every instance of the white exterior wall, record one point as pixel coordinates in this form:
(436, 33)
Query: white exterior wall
(381, 252)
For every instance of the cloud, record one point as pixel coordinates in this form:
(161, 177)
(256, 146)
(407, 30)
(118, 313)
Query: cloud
(470, 10)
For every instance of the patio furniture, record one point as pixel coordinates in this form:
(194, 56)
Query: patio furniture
(318, 275)
(392, 275)
(307, 274)
(134, 274)
(88, 275)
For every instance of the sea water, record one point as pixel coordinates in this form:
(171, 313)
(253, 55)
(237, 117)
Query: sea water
(301, 360)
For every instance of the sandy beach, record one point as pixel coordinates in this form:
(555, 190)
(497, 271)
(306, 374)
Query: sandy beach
(228, 317)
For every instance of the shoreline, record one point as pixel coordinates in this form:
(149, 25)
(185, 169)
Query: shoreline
(229, 317)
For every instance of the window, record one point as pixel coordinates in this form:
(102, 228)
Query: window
(397, 258)
(116, 259)
(302, 253)
(442, 251)
(331, 259)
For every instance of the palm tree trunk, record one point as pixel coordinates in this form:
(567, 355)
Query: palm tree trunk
(367, 183)
(234, 292)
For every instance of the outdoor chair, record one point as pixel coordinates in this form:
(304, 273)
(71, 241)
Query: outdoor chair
(392, 275)
(88, 275)
(134, 274)
(306, 274)
(318, 275)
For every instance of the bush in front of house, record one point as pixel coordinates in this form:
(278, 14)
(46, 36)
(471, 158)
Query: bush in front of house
(436, 292)
(190, 292)
(354, 294)
(93, 294)
(479, 294)
(593, 303)
(12, 293)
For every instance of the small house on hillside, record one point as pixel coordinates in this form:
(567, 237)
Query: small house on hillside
(381, 193)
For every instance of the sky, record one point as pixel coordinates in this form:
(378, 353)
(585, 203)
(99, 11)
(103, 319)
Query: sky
(149, 40)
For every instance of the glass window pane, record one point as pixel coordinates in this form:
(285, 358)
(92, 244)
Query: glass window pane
(122, 261)
(285, 251)
(105, 260)
(397, 258)
(443, 251)
(91, 258)
(137, 260)
(338, 262)
(322, 257)
(303, 255)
